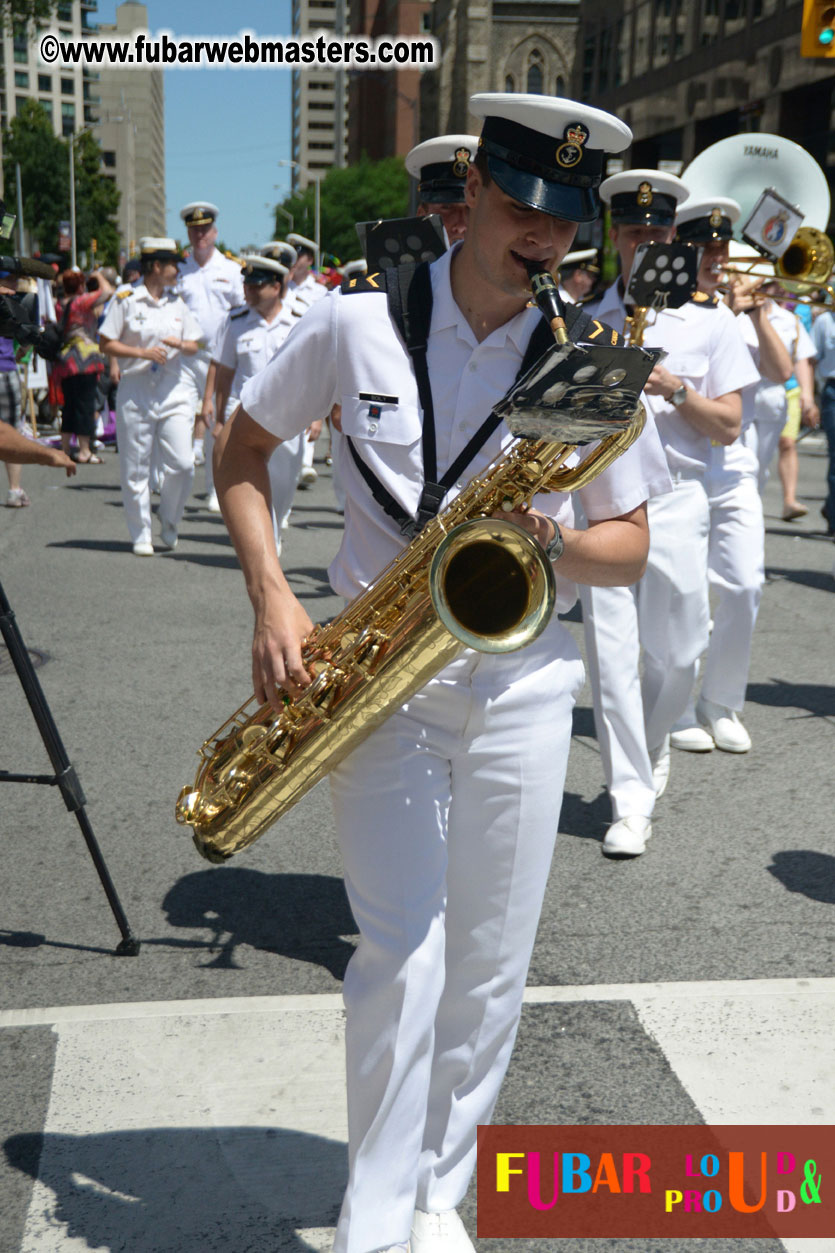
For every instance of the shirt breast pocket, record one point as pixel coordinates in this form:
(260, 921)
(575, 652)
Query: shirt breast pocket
(692, 367)
(381, 422)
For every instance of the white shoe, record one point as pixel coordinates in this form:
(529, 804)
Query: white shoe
(168, 536)
(691, 739)
(723, 724)
(212, 503)
(659, 759)
(442, 1232)
(307, 476)
(143, 549)
(627, 837)
(199, 455)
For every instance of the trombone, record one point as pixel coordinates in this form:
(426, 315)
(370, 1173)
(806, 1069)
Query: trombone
(805, 267)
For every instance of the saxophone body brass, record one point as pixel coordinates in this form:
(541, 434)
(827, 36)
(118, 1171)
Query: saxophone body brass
(468, 579)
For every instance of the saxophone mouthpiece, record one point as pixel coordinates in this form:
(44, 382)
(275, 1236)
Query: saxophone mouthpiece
(547, 297)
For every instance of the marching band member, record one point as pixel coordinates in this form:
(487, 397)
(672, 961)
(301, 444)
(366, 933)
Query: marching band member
(153, 331)
(694, 396)
(210, 284)
(578, 274)
(447, 814)
(440, 168)
(306, 291)
(736, 554)
(250, 339)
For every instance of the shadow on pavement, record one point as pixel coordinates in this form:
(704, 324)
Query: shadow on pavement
(818, 699)
(820, 580)
(807, 872)
(183, 1190)
(585, 819)
(305, 917)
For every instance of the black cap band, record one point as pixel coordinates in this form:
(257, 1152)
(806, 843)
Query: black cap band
(704, 229)
(643, 208)
(531, 152)
(439, 185)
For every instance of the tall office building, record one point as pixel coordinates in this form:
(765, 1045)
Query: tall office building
(123, 108)
(320, 98)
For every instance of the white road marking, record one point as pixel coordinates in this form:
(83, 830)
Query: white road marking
(194, 1125)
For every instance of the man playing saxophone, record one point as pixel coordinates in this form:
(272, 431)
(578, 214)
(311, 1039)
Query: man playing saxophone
(447, 814)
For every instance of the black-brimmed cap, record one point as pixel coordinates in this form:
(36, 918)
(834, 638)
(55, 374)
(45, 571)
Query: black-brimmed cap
(548, 152)
(703, 221)
(643, 197)
(440, 166)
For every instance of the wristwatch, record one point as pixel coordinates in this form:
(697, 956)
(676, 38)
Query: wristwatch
(679, 396)
(554, 547)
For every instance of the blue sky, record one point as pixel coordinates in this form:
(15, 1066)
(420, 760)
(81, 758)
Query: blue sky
(225, 129)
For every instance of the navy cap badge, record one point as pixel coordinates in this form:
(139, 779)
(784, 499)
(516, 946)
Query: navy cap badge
(570, 152)
(715, 218)
(462, 162)
(645, 194)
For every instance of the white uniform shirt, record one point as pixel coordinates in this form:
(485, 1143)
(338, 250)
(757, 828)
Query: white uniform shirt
(767, 401)
(246, 342)
(346, 349)
(306, 294)
(211, 291)
(141, 321)
(706, 350)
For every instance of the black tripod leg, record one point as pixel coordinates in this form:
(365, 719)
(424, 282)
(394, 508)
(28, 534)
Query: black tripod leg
(65, 776)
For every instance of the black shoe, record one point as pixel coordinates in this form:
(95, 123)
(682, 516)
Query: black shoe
(830, 529)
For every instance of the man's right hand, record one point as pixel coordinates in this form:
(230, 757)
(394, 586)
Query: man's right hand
(281, 629)
(60, 460)
(157, 354)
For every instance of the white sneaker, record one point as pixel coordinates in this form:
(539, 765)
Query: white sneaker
(442, 1232)
(168, 536)
(659, 759)
(308, 476)
(199, 454)
(691, 739)
(212, 503)
(723, 724)
(143, 549)
(627, 837)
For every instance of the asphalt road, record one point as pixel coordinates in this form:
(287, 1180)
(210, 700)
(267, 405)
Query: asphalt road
(143, 659)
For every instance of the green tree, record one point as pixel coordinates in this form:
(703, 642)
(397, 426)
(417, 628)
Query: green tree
(45, 182)
(20, 13)
(359, 193)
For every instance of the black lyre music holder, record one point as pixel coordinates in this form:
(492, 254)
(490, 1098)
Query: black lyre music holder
(65, 777)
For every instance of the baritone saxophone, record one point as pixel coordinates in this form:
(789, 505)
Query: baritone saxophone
(469, 579)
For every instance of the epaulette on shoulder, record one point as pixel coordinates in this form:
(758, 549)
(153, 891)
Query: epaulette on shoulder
(123, 295)
(363, 283)
(702, 298)
(240, 312)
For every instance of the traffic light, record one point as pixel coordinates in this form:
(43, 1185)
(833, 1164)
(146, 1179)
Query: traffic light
(817, 36)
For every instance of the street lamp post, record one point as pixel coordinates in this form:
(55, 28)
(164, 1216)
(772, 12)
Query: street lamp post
(314, 174)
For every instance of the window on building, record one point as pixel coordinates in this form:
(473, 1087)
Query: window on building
(426, 22)
(560, 85)
(64, 10)
(320, 126)
(509, 84)
(46, 105)
(19, 102)
(623, 40)
(589, 47)
(44, 82)
(67, 86)
(642, 27)
(605, 63)
(319, 145)
(536, 77)
(21, 78)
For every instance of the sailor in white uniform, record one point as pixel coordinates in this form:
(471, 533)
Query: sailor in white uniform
(578, 275)
(152, 332)
(210, 284)
(736, 555)
(250, 339)
(694, 397)
(439, 166)
(447, 814)
(305, 291)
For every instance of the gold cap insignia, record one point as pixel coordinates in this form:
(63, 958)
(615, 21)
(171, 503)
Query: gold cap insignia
(461, 165)
(570, 152)
(645, 195)
(715, 218)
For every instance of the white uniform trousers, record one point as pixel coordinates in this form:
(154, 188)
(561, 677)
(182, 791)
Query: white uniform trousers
(447, 817)
(167, 441)
(667, 615)
(195, 373)
(284, 467)
(766, 437)
(736, 567)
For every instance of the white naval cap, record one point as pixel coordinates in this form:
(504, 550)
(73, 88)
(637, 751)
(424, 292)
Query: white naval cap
(548, 152)
(699, 221)
(299, 242)
(281, 251)
(199, 213)
(260, 269)
(440, 166)
(643, 197)
(351, 268)
(159, 248)
(582, 258)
